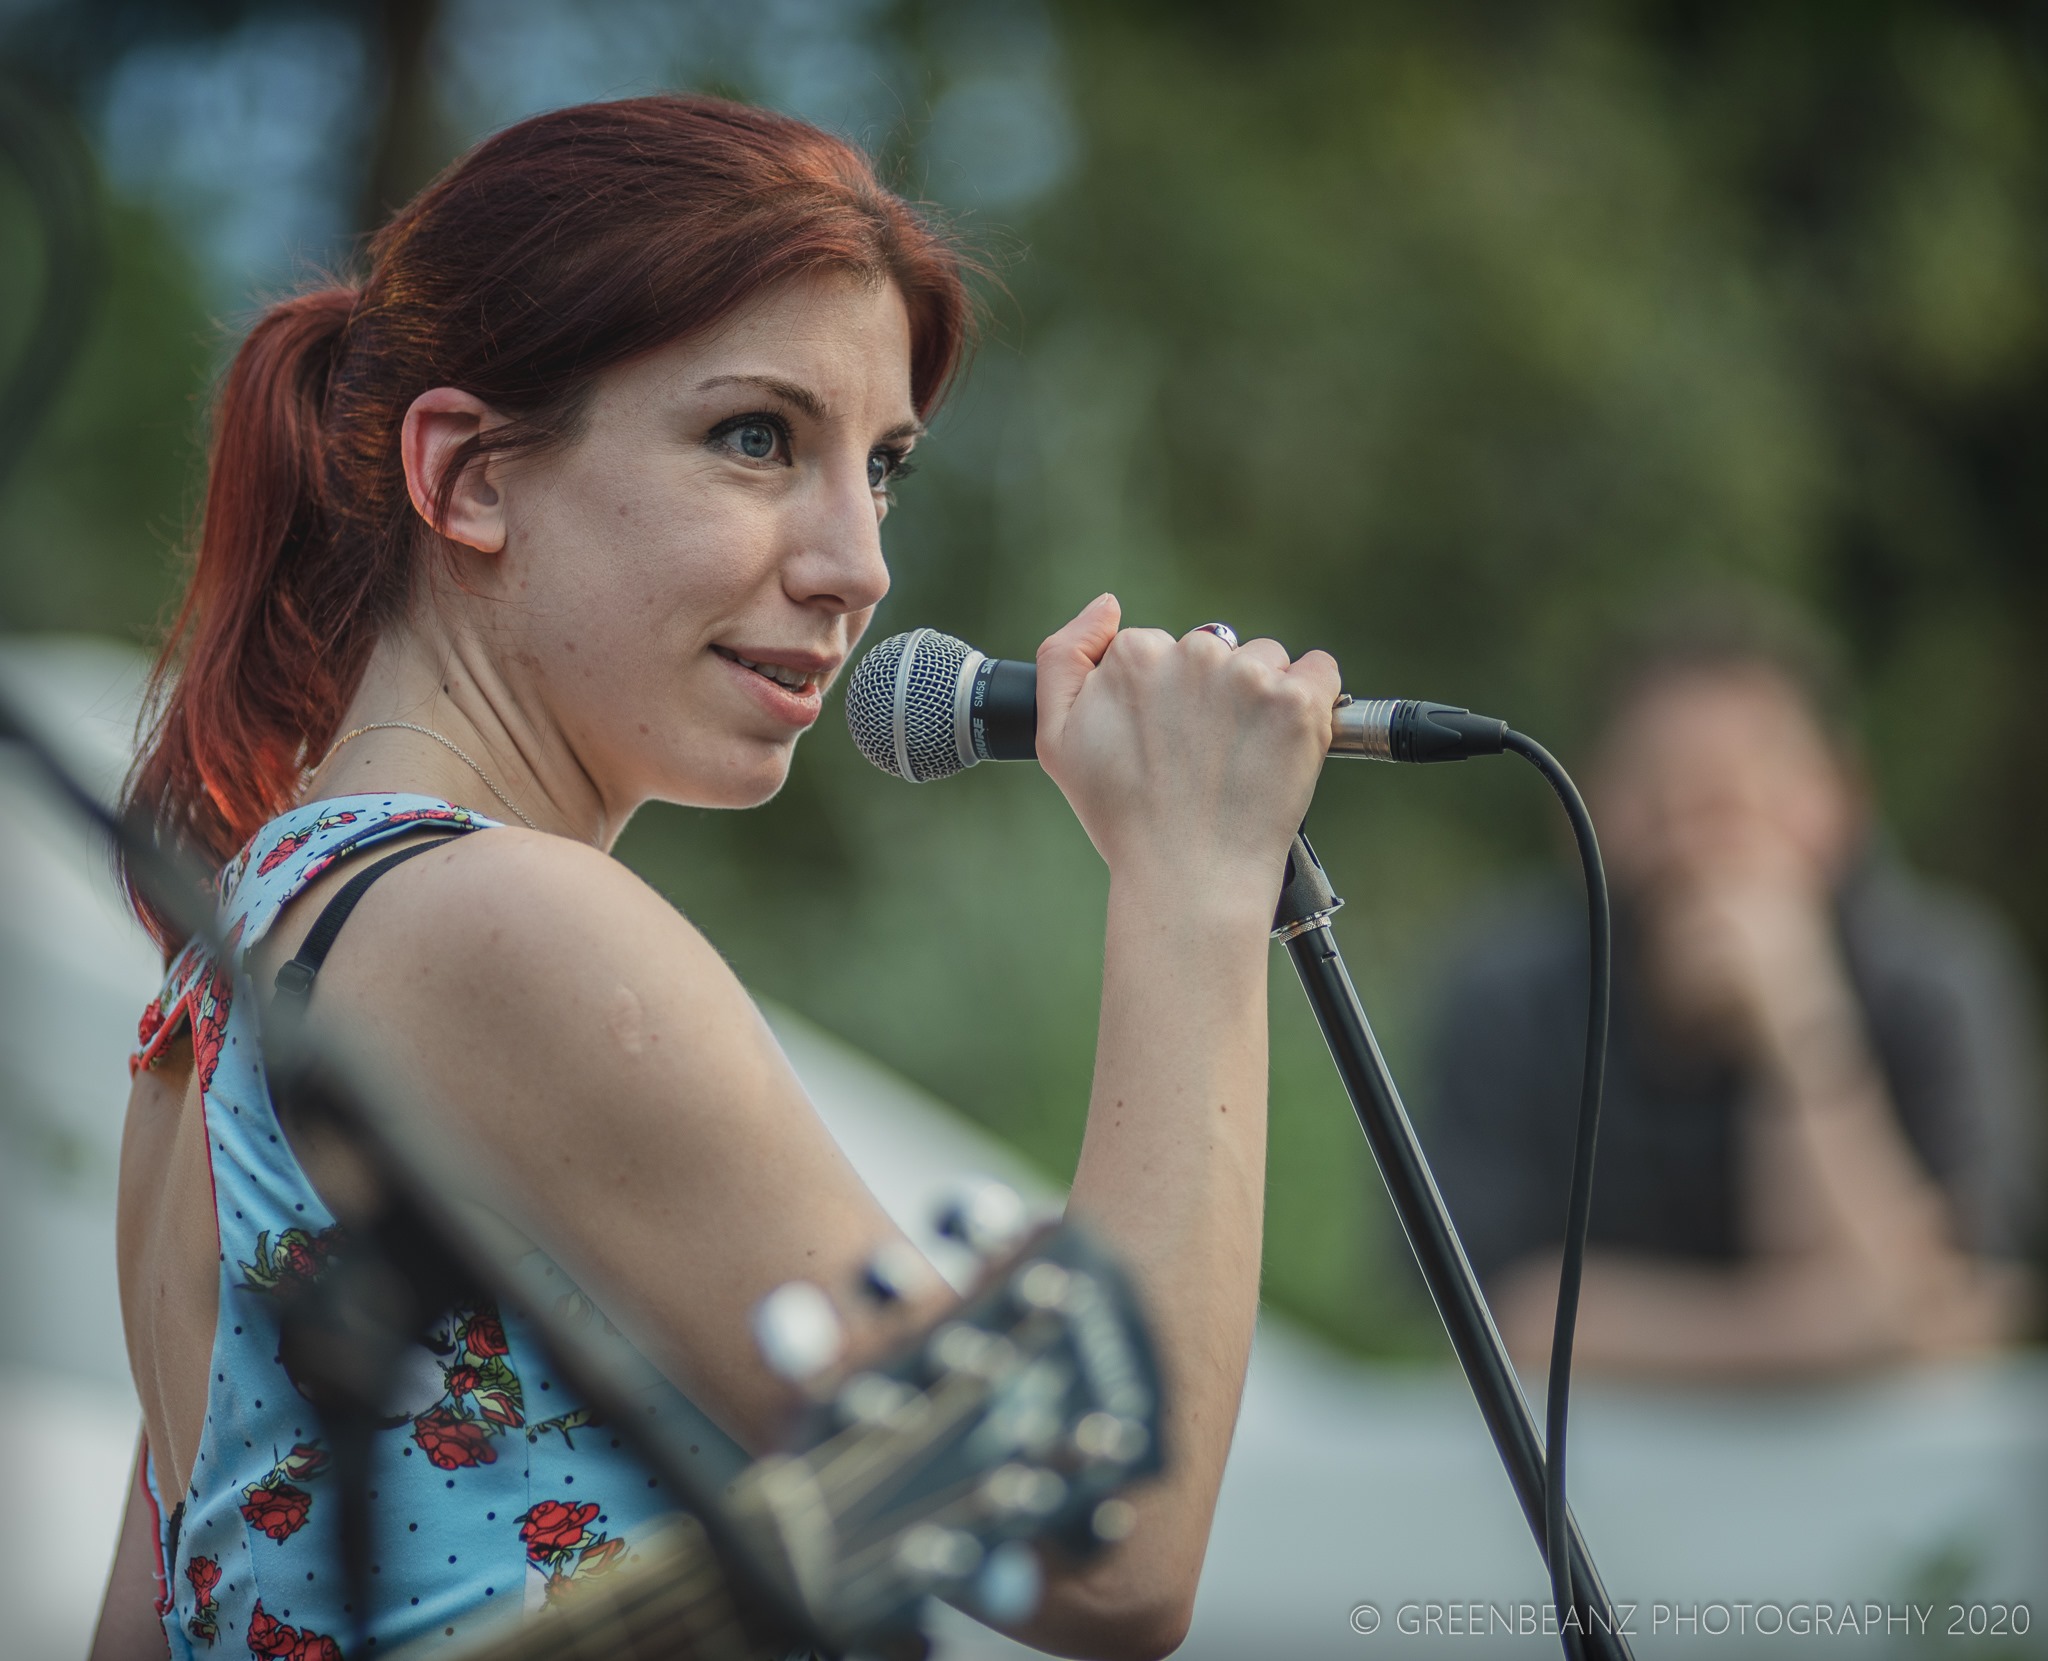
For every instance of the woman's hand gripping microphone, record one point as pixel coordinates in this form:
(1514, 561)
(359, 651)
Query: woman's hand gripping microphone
(1184, 760)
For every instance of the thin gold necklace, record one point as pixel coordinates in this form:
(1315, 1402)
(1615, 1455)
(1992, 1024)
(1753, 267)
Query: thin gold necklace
(461, 755)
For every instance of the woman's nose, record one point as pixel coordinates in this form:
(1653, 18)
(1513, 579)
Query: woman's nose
(840, 562)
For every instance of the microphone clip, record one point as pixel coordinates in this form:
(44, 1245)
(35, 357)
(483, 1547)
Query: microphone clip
(1307, 901)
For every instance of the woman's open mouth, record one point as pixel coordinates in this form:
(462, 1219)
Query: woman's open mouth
(796, 680)
(791, 693)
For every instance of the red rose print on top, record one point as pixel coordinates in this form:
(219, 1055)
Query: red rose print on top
(287, 845)
(278, 1510)
(484, 1334)
(204, 1573)
(146, 1029)
(482, 1398)
(451, 1441)
(292, 841)
(561, 1545)
(553, 1526)
(211, 999)
(278, 1506)
(295, 1259)
(275, 1641)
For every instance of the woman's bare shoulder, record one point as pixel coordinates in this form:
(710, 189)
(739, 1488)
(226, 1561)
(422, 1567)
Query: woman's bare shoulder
(517, 945)
(504, 899)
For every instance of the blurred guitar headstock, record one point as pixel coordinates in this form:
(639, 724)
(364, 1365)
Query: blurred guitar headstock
(1013, 1424)
(1019, 1418)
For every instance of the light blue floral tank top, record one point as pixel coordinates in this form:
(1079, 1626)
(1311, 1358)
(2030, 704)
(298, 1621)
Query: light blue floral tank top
(490, 1482)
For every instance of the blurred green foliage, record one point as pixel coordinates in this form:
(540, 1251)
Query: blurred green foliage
(93, 520)
(1443, 336)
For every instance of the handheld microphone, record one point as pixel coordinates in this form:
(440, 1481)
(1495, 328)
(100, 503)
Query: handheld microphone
(925, 706)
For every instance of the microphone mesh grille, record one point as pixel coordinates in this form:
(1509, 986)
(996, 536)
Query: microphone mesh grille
(935, 664)
(870, 700)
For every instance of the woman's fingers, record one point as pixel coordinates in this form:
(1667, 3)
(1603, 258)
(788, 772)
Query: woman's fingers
(1187, 748)
(1313, 678)
(1070, 655)
(1319, 674)
(1267, 653)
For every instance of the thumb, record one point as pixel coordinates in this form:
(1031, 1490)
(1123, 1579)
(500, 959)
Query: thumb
(1070, 655)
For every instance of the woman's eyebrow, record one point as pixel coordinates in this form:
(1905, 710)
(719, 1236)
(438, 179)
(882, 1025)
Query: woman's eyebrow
(790, 392)
(802, 398)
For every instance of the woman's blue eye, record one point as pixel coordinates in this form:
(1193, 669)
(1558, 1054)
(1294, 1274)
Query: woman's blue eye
(886, 466)
(756, 440)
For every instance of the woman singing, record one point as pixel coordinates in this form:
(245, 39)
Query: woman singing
(576, 504)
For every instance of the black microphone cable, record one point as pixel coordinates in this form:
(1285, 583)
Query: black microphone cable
(1411, 730)
(1579, 1197)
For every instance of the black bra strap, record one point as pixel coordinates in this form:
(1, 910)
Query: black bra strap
(295, 979)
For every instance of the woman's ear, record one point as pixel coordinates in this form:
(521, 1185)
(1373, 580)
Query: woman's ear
(439, 423)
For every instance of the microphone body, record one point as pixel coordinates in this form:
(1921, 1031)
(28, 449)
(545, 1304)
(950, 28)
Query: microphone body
(924, 706)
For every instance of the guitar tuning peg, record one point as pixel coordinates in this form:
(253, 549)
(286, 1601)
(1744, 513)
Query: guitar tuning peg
(1017, 1489)
(935, 1555)
(1010, 1583)
(897, 1271)
(1105, 1436)
(986, 1217)
(798, 1331)
(1113, 1520)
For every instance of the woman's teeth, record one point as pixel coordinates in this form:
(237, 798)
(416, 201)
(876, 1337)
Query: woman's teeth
(797, 680)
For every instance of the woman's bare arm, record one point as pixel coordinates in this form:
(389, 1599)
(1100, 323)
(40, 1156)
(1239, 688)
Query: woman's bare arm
(1172, 1167)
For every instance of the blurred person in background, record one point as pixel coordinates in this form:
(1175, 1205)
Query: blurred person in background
(1818, 1146)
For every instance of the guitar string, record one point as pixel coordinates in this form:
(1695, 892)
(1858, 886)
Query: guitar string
(697, 1589)
(651, 1602)
(648, 1622)
(856, 1481)
(650, 1617)
(823, 1452)
(660, 1601)
(941, 1416)
(1016, 1334)
(857, 1580)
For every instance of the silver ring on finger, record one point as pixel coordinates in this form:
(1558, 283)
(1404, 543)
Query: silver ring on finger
(1222, 631)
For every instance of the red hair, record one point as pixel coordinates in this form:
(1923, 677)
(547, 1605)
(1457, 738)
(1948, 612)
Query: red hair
(553, 251)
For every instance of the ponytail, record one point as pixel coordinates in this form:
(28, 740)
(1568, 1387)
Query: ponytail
(257, 667)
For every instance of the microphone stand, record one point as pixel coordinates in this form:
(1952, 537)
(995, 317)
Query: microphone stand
(1302, 923)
